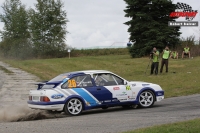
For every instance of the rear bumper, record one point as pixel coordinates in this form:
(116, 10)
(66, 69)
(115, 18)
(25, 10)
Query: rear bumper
(57, 107)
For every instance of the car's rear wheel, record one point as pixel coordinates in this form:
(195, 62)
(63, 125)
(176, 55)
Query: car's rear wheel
(73, 106)
(146, 99)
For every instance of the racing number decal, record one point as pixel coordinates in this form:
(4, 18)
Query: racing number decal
(71, 83)
(128, 87)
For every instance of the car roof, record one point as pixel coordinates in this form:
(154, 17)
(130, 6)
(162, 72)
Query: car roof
(95, 71)
(85, 72)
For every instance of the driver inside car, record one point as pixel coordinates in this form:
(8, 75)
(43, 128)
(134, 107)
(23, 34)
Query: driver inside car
(99, 81)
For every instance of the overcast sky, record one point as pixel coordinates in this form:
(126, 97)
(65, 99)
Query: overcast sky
(100, 22)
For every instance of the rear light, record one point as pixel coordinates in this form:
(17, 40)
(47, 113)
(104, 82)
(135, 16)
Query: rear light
(30, 98)
(44, 99)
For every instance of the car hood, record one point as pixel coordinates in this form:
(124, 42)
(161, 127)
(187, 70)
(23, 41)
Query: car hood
(142, 83)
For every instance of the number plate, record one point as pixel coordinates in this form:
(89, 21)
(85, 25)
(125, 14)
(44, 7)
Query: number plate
(35, 98)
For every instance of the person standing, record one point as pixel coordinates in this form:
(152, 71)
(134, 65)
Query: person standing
(155, 61)
(165, 58)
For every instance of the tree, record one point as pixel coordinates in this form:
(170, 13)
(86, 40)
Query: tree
(189, 41)
(148, 26)
(48, 27)
(15, 35)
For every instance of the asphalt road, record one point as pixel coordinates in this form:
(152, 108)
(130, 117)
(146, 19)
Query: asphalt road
(112, 120)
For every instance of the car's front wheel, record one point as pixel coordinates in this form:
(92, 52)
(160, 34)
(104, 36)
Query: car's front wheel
(73, 107)
(146, 99)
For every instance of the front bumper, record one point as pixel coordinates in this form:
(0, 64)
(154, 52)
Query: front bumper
(159, 98)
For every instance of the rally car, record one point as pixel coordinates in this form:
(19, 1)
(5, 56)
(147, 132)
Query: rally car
(74, 92)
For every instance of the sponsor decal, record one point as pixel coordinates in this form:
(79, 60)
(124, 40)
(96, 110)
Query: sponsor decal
(57, 96)
(106, 101)
(116, 88)
(160, 93)
(124, 99)
(131, 98)
(128, 87)
(114, 100)
(145, 84)
(133, 85)
(123, 94)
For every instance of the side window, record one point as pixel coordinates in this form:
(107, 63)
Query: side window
(78, 82)
(107, 79)
(118, 80)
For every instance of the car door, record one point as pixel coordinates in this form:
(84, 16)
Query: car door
(83, 86)
(102, 94)
(114, 85)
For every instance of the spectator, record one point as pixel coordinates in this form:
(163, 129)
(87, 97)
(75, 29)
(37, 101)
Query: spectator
(174, 55)
(186, 51)
(155, 61)
(165, 57)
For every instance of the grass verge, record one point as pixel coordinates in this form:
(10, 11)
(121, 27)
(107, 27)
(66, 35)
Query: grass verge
(191, 126)
(182, 78)
(5, 70)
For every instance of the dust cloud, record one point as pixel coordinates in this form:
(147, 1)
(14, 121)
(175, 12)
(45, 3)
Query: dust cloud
(14, 93)
(23, 113)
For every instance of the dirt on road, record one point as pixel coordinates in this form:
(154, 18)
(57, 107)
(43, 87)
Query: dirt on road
(14, 89)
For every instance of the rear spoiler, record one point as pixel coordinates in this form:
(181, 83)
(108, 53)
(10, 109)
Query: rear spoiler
(40, 84)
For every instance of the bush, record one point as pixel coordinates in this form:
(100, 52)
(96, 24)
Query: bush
(99, 52)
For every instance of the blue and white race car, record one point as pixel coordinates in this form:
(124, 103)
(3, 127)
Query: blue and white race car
(74, 92)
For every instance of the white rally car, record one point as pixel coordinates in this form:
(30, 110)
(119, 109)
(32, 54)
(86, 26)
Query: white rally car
(74, 92)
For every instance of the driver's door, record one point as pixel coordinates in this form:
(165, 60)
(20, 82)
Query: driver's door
(115, 85)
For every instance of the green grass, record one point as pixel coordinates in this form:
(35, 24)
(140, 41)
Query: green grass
(191, 126)
(5, 70)
(183, 82)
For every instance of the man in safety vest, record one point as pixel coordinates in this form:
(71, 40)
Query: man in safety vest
(165, 56)
(174, 55)
(155, 61)
(186, 51)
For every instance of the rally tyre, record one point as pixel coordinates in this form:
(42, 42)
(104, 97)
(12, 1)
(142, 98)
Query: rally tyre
(146, 99)
(73, 107)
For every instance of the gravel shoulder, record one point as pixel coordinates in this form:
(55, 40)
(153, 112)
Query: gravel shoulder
(14, 87)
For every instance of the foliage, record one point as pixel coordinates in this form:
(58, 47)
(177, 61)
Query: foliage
(99, 52)
(48, 27)
(189, 41)
(15, 34)
(148, 26)
(36, 32)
